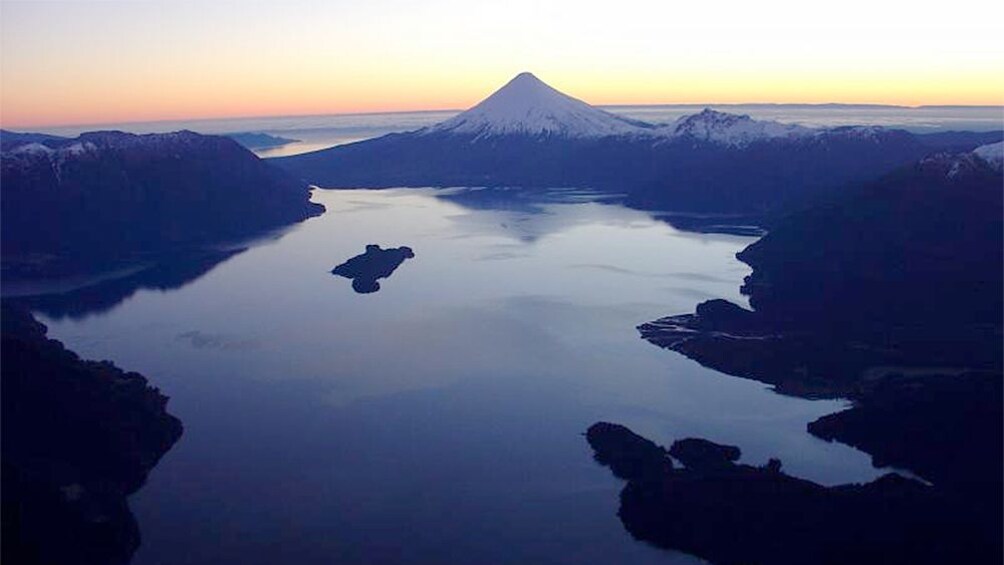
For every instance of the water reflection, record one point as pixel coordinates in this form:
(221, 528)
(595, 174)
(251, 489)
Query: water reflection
(532, 212)
(171, 273)
(531, 201)
(375, 263)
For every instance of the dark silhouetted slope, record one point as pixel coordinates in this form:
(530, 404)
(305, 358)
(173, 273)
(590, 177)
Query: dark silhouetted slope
(78, 437)
(105, 198)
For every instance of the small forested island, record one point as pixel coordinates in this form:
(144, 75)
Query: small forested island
(375, 263)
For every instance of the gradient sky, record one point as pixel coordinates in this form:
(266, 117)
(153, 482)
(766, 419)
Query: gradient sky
(84, 62)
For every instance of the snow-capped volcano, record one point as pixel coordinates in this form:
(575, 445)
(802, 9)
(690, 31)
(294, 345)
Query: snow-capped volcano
(730, 129)
(528, 106)
(529, 135)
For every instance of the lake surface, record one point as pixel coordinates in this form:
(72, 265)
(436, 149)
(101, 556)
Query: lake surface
(319, 132)
(440, 419)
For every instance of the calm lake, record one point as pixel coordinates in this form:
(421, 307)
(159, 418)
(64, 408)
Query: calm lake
(439, 419)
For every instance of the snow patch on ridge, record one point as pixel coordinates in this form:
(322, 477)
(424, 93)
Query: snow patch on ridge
(31, 149)
(993, 154)
(58, 152)
(730, 129)
(78, 148)
(955, 165)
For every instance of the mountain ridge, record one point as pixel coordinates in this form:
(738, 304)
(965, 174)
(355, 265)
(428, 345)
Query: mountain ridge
(529, 135)
(524, 120)
(108, 198)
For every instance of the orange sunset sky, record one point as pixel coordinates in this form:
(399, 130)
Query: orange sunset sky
(93, 62)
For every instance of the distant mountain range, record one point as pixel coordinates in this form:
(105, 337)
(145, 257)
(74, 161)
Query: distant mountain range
(804, 105)
(251, 139)
(11, 139)
(108, 198)
(528, 134)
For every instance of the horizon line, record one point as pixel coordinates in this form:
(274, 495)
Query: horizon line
(436, 110)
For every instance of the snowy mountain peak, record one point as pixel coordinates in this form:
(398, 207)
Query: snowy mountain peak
(528, 78)
(730, 129)
(24, 151)
(711, 119)
(993, 154)
(33, 148)
(962, 165)
(528, 106)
